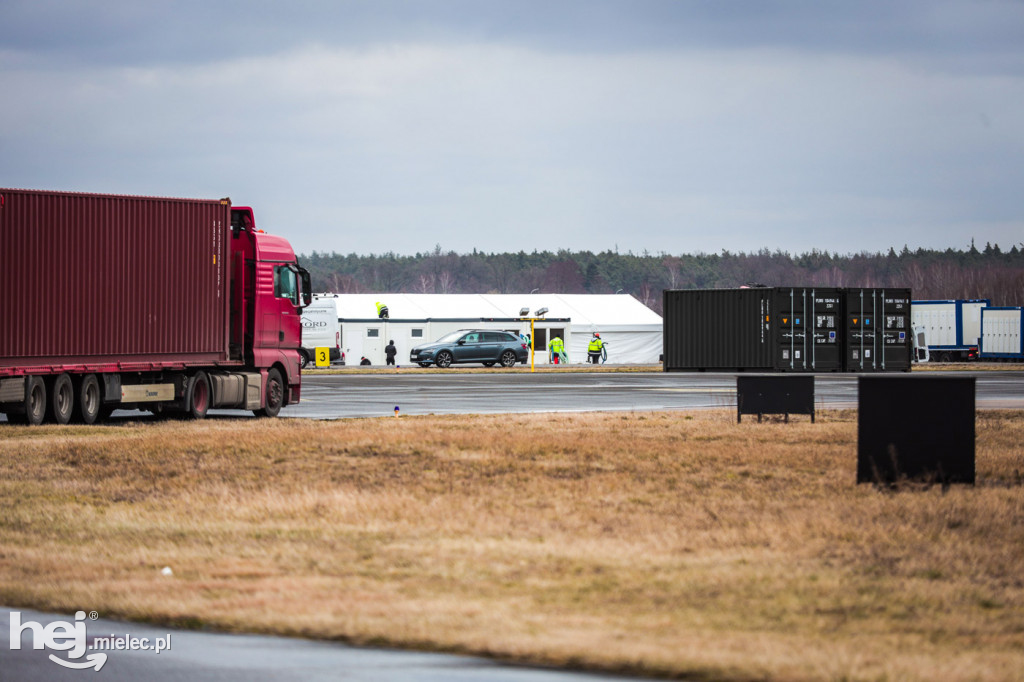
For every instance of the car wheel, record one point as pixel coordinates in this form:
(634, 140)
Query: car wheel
(508, 359)
(444, 359)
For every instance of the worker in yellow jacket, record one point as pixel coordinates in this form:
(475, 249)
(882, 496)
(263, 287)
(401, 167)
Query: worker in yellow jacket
(594, 348)
(557, 347)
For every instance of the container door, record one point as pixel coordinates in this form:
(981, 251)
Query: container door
(878, 330)
(826, 316)
(791, 330)
(897, 340)
(861, 349)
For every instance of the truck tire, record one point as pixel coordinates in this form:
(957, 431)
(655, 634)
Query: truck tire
(62, 399)
(197, 396)
(87, 407)
(35, 400)
(273, 393)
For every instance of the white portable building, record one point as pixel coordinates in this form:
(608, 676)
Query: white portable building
(631, 330)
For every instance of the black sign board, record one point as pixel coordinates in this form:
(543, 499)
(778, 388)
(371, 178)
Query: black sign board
(774, 394)
(915, 428)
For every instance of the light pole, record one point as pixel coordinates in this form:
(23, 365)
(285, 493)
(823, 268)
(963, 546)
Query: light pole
(537, 315)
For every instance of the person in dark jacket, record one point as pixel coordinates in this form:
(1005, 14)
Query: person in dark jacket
(364, 361)
(391, 352)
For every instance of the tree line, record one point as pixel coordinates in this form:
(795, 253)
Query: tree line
(990, 272)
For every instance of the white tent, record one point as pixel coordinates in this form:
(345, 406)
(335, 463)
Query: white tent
(631, 330)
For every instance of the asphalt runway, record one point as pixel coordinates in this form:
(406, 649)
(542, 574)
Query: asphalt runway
(356, 394)
(190, 656)
(440, 392)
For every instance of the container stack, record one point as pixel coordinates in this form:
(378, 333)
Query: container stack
(787, 329)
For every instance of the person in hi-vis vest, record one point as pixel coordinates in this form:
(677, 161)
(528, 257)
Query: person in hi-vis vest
(594, 348)
(557, 347)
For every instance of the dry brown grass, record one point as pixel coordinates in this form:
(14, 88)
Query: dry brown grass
(675, 544)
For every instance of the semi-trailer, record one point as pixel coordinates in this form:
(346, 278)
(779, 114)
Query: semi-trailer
(1002, 334)
(175, 306)
(952, 327)
(787, 329)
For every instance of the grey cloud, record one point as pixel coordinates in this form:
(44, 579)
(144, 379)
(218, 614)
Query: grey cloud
(148, 33)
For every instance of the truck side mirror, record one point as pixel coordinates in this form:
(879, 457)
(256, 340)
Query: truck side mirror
(305, 287)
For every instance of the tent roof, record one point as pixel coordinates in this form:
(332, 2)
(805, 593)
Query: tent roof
(597, 310)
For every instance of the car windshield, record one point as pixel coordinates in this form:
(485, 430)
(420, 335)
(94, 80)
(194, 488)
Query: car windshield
(452, 337)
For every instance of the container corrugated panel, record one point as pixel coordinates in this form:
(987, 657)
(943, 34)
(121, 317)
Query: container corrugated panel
(104, 278)
(717, 329)
(878, 330)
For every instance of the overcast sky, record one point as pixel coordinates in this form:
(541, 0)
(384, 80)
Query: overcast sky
(669, 126)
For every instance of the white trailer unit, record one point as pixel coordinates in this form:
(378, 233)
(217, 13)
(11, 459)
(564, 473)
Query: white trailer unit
(953, 328)
(1002, 334)
(320, 329)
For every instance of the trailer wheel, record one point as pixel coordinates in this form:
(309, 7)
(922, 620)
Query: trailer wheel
(62, 399)
(87, 407)
(274, 393)
(35, 400)
(197, 396)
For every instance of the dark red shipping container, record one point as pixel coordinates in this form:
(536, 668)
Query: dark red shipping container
(112, 280)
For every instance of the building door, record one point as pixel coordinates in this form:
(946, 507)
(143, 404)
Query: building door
(373, 344)
(560, 333)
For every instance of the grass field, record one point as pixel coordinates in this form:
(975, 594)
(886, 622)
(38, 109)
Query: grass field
(663, 544)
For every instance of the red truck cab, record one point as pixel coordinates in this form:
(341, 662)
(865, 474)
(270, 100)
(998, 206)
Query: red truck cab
(266, 319)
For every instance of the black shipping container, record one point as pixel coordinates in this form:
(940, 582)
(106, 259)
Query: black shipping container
(717, 329)
(787, 329)
(766, 328)
(878, 333)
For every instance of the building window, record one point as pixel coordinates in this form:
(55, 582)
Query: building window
(373, 333)
(417, 333)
